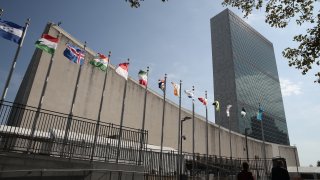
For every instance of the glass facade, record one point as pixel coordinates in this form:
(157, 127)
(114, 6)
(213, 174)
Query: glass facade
(256, 82)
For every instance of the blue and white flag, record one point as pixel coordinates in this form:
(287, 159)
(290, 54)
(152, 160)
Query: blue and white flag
(11, 31)
(74, 54)
(189, 93)
(259, 113)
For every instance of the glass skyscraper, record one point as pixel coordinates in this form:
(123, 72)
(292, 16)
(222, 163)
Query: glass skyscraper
(245, 75)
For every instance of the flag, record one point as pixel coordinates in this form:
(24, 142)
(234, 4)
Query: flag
(143, 77)
(100, 61)
(161, 84)
(122, 70)
(74, 54)
(217, 105)
(189, 93)
(259, 113)
(176, 89)
(11, 31)
(203, 100)
(228, 110)
(243, 112)
(47, 43)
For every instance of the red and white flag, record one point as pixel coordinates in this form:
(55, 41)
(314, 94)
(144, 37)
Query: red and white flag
(122, 70)
(203, 100)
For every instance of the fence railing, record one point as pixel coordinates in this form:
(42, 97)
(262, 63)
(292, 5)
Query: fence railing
(93, 174)
(40, 131)
(200, 167)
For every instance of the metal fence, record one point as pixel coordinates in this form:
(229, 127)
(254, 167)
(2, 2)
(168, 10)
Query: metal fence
(79, 174)
(201, 167)
(32, 130)
(39, 131)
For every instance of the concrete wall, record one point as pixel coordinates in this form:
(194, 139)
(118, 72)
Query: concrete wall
(16, 166)
(60, 89)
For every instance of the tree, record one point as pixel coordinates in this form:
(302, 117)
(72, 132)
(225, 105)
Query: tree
(318, 164)
(136, 3)
(279, 13)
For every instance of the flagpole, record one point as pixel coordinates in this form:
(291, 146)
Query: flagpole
(144, 116)
(121, 118)
(246, 138)
(162, 124)
(44, 88)
(100, 108)
(217, 109)
(220, 133)
(264, 145)
(179, 133)
(70, 115)
(207, 138)
(193, 129)
(230, 136)
(264, 148)
(14, 62)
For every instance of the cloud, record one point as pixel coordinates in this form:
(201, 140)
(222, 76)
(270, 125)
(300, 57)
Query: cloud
(288, 88)
(253, 18)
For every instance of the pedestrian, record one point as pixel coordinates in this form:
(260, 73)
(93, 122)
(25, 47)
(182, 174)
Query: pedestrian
(280, 173)
(245, 174)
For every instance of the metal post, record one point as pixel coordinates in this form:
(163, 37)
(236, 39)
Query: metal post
(230, 137)
(180, 133)
(207, 139)
(70, 115)
(296, 159)
(100, 108)
(264, 149)
(14, 62)
(44, 88)
(180, 154)
(181, 140)
(193, 141)
(143, 117)
(220, 134)
(162, 124)
(121, 118)
(246, 135)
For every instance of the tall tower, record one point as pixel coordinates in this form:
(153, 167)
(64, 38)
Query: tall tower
(245, 75)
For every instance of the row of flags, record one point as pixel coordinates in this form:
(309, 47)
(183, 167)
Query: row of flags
(47, 43)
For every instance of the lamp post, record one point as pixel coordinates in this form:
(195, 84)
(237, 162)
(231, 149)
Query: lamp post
(296, 159)
(243, 114)
(181, 136)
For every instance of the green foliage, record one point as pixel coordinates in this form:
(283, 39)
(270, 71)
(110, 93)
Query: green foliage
(279, 13)
(136, 3)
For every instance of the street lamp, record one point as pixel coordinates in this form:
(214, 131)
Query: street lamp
(243, 114)
(182, 137)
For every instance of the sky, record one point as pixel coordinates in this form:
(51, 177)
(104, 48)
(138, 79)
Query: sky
(173, 38)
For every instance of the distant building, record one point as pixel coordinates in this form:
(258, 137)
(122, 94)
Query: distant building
(245, 74)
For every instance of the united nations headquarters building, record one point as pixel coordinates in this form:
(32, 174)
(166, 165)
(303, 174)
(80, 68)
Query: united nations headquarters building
(77, 116)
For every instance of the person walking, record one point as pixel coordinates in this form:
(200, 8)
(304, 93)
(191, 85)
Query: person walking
(279, 173)
(245, 174)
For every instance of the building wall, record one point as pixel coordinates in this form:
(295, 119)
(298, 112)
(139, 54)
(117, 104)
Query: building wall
(245, 75)
(60, 88)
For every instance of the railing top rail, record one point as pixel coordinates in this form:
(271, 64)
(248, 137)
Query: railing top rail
(68, 170)
(27, 107)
